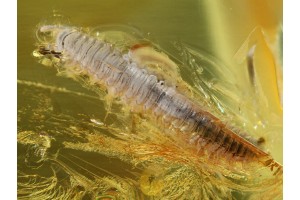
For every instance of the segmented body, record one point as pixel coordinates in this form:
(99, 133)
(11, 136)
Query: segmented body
(137, 87)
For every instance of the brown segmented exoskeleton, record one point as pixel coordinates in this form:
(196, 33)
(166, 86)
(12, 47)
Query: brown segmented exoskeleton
(137, 86)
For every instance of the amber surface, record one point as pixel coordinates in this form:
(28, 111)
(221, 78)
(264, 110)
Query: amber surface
(76, 142)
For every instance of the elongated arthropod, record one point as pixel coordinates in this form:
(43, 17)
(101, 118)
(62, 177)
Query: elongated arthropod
(138, 87)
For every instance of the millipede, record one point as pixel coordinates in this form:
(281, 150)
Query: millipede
(145, 92)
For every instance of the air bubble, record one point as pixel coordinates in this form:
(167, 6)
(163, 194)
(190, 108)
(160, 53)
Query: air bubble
(56, 19)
